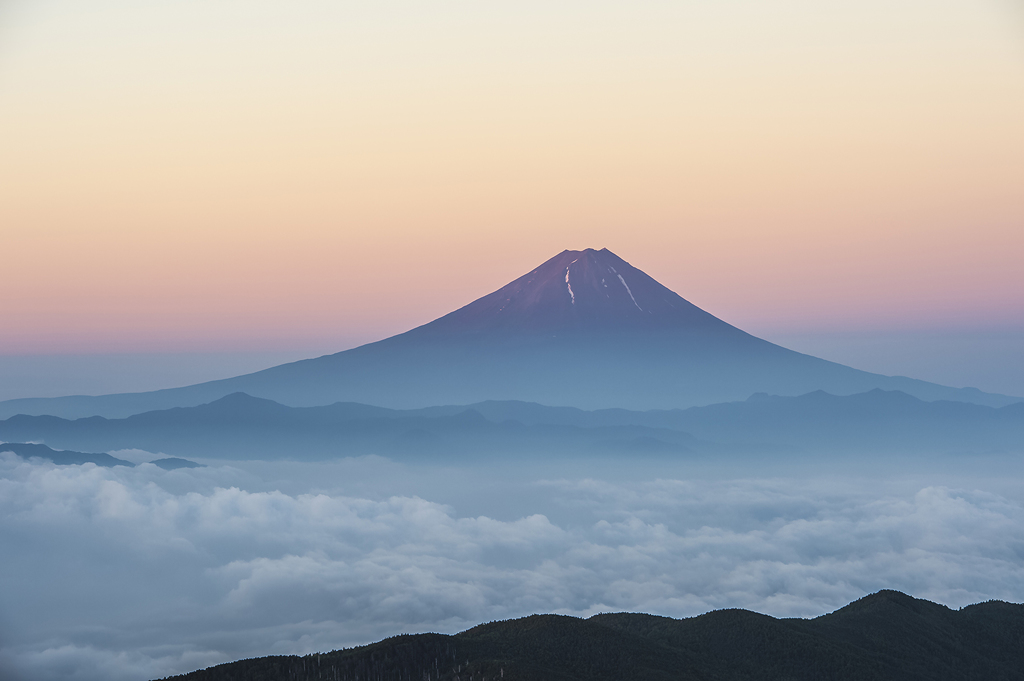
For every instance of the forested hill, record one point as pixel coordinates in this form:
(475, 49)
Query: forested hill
(887, 635)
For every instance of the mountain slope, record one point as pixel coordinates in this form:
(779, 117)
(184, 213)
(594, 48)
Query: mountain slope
(887, 635)
(241, 426)
(876, 420)
(579, 293)
(61, 457)
(69, 458)
(584, 329)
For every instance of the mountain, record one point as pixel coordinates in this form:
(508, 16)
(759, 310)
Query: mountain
(246, 427)
(876, 420)
(61, 457)
(239, 426)
(584, 329)
(887, 635)
(174, 463)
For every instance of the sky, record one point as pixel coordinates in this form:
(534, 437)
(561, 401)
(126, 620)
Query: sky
(264, 177)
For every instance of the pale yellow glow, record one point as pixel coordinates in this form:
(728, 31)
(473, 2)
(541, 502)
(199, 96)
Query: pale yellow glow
(229, 174)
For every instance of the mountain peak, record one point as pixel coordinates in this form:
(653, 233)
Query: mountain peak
(577, 290)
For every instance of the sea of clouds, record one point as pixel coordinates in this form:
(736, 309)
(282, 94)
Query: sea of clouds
(138, 573)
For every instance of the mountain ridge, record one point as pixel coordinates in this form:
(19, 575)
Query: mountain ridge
(63, 457)
(243, 426)
(583, 329)
(885, 635)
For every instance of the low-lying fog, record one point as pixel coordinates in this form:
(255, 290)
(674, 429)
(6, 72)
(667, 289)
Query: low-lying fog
(137, 573)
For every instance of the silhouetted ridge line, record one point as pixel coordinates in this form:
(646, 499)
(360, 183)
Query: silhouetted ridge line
(887, 635)
(876, 423)
(61, 457)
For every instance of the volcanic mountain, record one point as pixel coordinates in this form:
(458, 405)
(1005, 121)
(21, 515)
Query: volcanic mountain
(584, 329)
(583, 294)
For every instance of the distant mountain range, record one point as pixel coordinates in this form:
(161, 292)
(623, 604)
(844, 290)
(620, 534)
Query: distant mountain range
(885, 636)
(69, 458)
(584, 329)
(240, 426)
(61, 457)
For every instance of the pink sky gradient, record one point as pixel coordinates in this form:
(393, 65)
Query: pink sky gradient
(219, 176)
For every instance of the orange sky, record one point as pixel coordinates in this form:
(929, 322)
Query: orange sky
(263, 175)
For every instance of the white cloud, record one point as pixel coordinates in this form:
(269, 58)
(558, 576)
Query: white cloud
(137, 573)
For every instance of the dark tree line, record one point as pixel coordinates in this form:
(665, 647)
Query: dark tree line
(887, 636)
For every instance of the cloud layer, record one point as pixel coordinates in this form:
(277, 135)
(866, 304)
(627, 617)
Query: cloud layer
(138, 573)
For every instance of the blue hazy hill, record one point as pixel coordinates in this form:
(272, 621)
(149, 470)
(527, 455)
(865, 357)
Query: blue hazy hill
(241, 426)
(63, 457)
